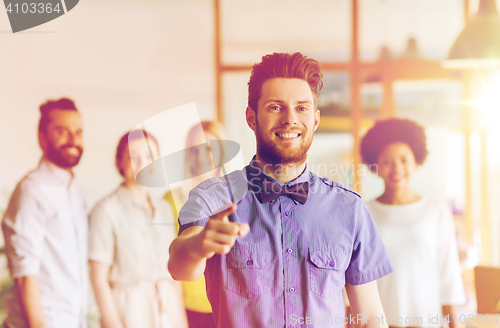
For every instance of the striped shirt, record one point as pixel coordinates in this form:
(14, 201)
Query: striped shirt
(292, 266)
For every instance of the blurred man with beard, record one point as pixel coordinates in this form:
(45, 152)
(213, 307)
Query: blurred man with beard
(46, 228)
(279, 253)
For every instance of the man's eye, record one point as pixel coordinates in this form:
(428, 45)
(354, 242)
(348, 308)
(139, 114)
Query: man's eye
(303, 109)
(275, 107)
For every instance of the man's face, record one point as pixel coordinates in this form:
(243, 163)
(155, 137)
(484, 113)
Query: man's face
(62, 141)
(285, 121)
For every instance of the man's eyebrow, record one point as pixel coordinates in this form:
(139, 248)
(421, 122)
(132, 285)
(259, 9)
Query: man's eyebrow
(63, 127)
(274, 100)
(281, 101)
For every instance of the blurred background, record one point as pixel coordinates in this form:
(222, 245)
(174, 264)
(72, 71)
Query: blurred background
(125, 61)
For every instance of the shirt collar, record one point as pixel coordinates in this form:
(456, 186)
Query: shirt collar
(58, 174)
(256, 176)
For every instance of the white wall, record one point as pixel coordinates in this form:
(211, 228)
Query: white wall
(121, 61)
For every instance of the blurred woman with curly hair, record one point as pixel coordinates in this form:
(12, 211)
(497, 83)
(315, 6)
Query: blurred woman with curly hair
(418, 232)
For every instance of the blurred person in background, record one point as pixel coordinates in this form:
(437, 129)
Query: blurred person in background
(130, 234)
(418, 231)
(200, 163)
(45, 228)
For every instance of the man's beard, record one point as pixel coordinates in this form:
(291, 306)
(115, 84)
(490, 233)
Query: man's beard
(62, 159)
(274, 154)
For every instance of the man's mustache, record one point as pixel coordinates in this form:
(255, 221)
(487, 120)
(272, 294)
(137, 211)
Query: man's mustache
(80, 149)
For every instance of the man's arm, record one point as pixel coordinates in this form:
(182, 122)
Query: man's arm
(365, 302)
(23, 227)
(28, 292)
(189, 251)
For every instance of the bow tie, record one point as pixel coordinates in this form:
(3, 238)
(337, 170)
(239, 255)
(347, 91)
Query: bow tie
(271, 191)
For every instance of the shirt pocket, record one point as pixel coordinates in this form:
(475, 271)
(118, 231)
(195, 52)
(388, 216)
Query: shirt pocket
(327, 270)
(249, 270)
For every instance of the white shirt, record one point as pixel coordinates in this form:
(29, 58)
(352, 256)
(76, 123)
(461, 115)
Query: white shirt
(45, 228)
(420, 238)
(124, 236)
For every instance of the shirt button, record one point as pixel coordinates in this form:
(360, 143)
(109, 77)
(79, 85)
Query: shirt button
(331, 263)
(289, 251)
(249, 262)
(287, 213)
(291, 289)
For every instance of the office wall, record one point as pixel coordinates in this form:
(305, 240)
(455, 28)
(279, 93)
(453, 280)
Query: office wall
(121, 61)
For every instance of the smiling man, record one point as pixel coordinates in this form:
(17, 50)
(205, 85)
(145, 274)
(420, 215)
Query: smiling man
(282, 253)
(45, 228)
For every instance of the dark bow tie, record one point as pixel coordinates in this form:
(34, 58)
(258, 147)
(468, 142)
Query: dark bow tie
(271, 191)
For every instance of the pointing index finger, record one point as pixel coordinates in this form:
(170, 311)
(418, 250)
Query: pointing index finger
(224, 214)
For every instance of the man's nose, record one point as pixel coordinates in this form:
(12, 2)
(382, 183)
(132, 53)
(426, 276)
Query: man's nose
(75, 138)
(289, 117)
(71, 138)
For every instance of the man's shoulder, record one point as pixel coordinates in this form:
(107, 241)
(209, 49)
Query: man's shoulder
(228, 188)
(31, 184)
(28, 194)
(334, 186)
(38, 179)
(229, 179)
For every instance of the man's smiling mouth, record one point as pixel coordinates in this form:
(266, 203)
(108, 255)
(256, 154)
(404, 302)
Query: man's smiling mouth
(287, 135)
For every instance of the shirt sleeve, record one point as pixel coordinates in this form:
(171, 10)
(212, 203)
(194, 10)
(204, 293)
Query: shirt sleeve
(24, 231)
(208, 198)
(451, 288)
(196, 211)
(101, 235)
(370, 259)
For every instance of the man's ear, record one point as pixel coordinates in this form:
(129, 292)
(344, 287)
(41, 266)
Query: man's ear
(316, 119)
(251, 117)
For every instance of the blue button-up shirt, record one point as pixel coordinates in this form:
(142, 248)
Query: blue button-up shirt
(291, 268)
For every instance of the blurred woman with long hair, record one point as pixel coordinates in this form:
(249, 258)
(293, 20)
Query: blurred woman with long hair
(130, 233)
(201, 162)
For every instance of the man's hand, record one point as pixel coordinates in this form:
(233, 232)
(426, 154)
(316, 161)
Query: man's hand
(365, 301)
(220, 234)
(189, 252)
